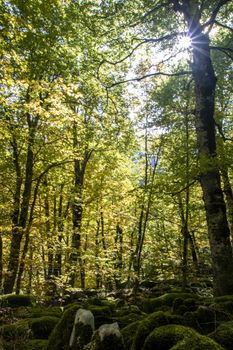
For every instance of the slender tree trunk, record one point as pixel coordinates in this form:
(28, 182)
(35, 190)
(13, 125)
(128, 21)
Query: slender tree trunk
(97, 264)
(48, 230)
(60, 225)
(1, 262)
(77, 209)
(30, 272)
(19, 227)
(205, 84)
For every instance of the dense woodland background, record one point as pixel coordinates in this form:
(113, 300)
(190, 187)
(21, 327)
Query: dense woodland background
(100, 170)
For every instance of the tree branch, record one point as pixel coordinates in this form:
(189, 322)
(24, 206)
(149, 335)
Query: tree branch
(224, 50)
(212, 19)
(223, 25)
(149, 76)
(143, 41)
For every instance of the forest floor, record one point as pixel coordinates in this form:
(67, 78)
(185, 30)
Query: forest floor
(156, 318)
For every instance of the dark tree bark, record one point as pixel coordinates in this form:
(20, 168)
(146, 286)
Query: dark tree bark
(77, 210)
(205, 84)
(1, 263)
(20, 213)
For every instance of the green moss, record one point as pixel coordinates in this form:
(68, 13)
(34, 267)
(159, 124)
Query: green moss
(60, 336)
(128, 334)
(109, 340)
(19, 329)
(128, 309)
(14, 336)
(102, 314)
(127, 319)
(36, 344)
(83, 334)
(176, 337)
(152, 321)
(223, 298)
(42, 327)
(224, 335)
(13, 300)
(151, 304)
(40, 312)
(203, 319)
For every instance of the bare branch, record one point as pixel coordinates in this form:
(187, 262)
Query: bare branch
(224, 50)
(220, 130)
(223, 26)
(184, 188)
(215, 12)
(149, 76)
(143, 41)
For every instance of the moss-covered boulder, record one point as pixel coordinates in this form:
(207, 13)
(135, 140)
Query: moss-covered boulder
(128, 334)
(46, 311)
(176, 337)
(207, 318)
(42, 326)
(14, 336)
(107, 337)
(165, 301)
(13, 300)
(128, 309)
(60, 336)
(224, 335)
(123, 321)
(102, 314)
(82, 329)
(36, 344)
(148, 324)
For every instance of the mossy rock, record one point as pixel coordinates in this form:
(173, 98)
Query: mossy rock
(12, 300)
(207, 318)
(127, 319)
(102, 314)
(42, 326)
(176, 337)
(36, 344)
(14, 336)
(151, 304)
(149, 323)
(128, 334)
(34, 312)
(224, 335)
(83, 334)
(107, 337)
(60, 336)
(223, 298)
(19, 329)
(224, 310)
(128, 309)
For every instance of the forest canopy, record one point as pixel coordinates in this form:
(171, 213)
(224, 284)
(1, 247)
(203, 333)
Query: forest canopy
(116, 144)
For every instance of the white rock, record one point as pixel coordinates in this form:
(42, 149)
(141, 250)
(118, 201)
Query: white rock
(108, 329)
(85, 317)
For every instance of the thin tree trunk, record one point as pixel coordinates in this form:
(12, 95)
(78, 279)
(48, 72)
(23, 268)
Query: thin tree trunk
(1, 262)
(19, 227)
(97, 264)
(77, 209)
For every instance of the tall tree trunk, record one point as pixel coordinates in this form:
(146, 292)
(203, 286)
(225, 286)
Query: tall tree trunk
(77, 209)
(1, 262)
(60, 226)
(97, 264)
(19, 227)
(205, 84)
